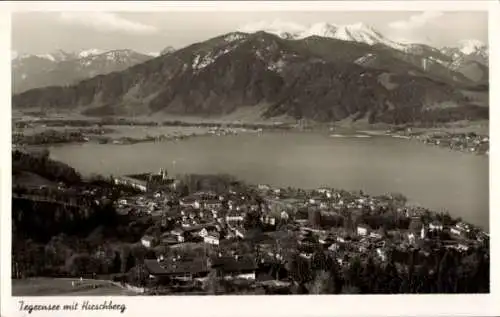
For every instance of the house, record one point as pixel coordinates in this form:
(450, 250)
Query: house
(234, 217)
(206, 195)
(333, 247)
(482, 236)
(231, 267)
(212, 204)
(168, 239)
(436, 226)
(316, 200)
(458, 231)
(268, 220)
(212, 237)
(190, 202)
(305, 255)
(362, 248)
(132, 182)
(203, 233)
(325, 191)
(148, 241)
(462, 226)
(179, 269)
(461, 247)
(234, 205)
(273, 256)
(376, 235)
(284, 215)
(326, 239)
(362, 230)
(179, 234)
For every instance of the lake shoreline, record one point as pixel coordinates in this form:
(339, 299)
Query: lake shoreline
(306, 160)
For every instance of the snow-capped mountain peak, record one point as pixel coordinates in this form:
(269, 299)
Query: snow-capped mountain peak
(323, 29)
(61, 55)
(89, 52)
(357, 32)
(63, 68)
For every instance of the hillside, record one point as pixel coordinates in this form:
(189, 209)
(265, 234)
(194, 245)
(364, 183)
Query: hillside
(316, 78)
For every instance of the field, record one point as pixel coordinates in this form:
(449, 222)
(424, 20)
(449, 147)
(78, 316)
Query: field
(64, 287)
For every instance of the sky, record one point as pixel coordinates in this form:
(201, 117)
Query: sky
(149, 32)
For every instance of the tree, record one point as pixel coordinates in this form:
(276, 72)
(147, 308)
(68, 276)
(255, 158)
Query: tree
(322, 284)
(252, 220)
(319, 260)
(335, 273)
(82, 264)
(117, 263)
(368, 277)
(444, 268)
(351, 289)
(391, 280)
(213, 284)
(138, 275)
(353, 273)
(299, 269)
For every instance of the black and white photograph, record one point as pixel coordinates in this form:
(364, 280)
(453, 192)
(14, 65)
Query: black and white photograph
(250, 152)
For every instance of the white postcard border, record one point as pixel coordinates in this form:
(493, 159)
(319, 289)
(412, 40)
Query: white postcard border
(346, 305)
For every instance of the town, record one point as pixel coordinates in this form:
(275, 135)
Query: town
(247, 235)
(212, 234)
(464, 142)
(101, 135)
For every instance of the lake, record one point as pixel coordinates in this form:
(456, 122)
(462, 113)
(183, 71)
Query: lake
(436, 178)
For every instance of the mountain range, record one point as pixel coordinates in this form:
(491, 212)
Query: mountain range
(324, 73)
(66, 68)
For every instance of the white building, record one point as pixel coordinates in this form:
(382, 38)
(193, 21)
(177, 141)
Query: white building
(147, 241)
(333, 247)
(362, 230)
(456, 231)
(462, 247)
(436, 226)
(212, 238)
(284, 215)
(376, 235)
(234, 217)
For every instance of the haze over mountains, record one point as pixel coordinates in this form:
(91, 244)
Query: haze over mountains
(324, 73)
(65, 68)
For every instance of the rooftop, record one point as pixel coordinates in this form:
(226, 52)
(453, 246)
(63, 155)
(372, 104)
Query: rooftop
(183, 267)
(234, 264)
